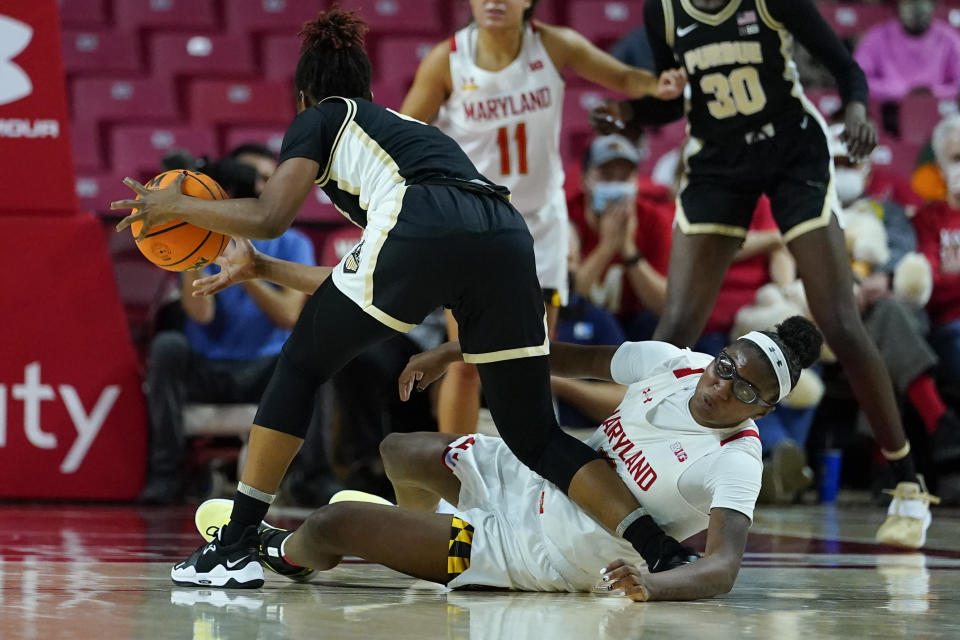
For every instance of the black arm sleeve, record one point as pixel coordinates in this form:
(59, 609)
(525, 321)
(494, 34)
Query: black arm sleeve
(802, 19)
(651, 111)
(312, 133)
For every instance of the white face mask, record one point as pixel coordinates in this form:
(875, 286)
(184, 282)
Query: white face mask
(850, 183)
(606, 193)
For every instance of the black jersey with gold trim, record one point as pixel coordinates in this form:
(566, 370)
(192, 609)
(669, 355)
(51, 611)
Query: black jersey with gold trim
(739, 61)
(368, 155)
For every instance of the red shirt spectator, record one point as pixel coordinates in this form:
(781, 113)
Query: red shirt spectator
(938, 238)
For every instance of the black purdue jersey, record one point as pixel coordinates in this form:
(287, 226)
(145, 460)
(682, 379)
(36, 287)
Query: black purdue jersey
(368, 155)
(738, 60)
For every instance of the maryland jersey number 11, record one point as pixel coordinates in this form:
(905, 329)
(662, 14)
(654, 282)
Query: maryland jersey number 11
(519, 138)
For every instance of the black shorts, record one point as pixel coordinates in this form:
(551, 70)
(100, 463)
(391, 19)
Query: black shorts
(452, 247)
(789, 161)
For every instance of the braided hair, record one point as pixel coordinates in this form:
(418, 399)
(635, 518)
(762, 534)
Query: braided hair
(800, 341)
(332, 59)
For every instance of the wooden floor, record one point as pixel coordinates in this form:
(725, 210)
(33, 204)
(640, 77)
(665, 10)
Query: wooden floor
(90, 572)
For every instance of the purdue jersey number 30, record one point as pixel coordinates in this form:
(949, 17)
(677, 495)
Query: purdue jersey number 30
(738, 63)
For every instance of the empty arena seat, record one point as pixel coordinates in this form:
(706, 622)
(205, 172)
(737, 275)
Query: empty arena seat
(896, 156)
(82, 14)
(119, 99)
(920, 113)
(285, 16)
(140, 148)
(851, 20)
(397, 59)
(192, 54)
(661, 141)
(826, 101)
(95, 191)
(548, 11)
(226, 102)
(272, 137)
(191, 15)
(604, 21)
(389, 94)
(280, 55)
(400, 16)
(87, 146)
(99, 51)
(338, 243)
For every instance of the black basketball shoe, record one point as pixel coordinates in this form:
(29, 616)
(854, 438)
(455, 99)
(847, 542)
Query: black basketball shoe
(270, 540)
(218, 565)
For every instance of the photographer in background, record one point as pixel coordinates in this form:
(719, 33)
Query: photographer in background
(229, 343)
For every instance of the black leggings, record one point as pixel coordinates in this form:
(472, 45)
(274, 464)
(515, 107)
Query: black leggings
(332, 330)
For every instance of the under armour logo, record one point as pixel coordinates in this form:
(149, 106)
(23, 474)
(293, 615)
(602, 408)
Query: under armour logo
(14, 38)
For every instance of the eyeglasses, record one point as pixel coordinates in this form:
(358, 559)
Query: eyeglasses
(743, 391)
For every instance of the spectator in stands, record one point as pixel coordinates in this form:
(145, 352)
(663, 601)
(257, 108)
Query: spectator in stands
(229, 343)
(625, 223)
(913, 52)
(938, 238)
(898, 328)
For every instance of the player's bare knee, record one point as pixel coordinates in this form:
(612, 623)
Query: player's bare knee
(393, 451)
(464, 374)
(325, 525)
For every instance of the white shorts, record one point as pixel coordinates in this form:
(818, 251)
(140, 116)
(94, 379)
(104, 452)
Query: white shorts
(528, 535)
(550, 229)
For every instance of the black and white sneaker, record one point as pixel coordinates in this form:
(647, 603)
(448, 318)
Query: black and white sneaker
(271, 539)
(218, 565)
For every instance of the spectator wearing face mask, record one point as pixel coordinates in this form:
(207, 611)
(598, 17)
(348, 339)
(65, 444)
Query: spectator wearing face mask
(938, 238)
(896, 326)
(910, 53)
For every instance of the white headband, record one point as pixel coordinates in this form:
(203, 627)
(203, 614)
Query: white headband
(776, 357)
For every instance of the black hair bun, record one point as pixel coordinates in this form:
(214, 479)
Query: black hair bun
(333, 29)
(802, 337)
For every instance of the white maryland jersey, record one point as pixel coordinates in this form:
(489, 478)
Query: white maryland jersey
(508, 121)
(529, 535)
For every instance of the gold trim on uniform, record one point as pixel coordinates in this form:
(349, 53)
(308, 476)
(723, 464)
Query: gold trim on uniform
(712, 19)
(458, 550)
(351, 112)
(512, 354)
(767, 17)
(668, 22)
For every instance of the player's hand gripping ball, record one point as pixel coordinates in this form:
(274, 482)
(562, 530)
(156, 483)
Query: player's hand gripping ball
(173, 244)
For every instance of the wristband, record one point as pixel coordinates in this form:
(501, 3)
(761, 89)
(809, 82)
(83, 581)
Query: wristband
(632, 260)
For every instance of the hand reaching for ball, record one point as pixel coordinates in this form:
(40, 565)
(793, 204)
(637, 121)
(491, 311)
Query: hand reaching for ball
(237, 264)
(154, 206)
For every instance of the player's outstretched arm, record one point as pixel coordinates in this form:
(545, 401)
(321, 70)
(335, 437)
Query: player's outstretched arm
(241, 262)
(267, 216)
(712, 575)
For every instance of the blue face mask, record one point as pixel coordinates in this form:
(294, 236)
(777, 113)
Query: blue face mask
(603, 194)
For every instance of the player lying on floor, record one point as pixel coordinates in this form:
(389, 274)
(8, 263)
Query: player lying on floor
(683, 440)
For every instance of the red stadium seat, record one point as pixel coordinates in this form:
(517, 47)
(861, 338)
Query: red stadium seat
(401, 16)
(661, 141)
(388, 94)
(226, 102)
(191, 54)
(92, 52)
(282, 16)
(604, 21)
(272, 137)
(896, 156)
(397, 59)
(280, 57)
(851, 20)
(139, 148)
(548, 12)
(114, 100)
(338, 243)
(82, 14)
(95, 191)
(826, 101)
(919, 114)
(87, 146)
(189, 15)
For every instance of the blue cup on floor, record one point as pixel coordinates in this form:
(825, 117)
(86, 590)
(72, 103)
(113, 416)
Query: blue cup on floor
(830, 474)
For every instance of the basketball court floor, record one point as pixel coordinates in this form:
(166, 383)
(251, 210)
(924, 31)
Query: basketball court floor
(100, 572)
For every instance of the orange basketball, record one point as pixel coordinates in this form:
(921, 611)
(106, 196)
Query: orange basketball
(177, 245)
